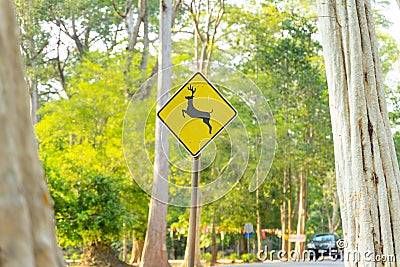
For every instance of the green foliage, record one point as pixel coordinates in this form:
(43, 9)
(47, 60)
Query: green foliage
(234, 257)
(99, 209)
(81, 149)
(388, 51)
(205, 241)
(207, 257)
(280, 53)
(249, 258)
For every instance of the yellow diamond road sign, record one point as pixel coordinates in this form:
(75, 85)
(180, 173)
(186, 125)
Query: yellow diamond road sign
(196, 113)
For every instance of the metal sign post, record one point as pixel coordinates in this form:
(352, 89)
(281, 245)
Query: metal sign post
(195, 115)
(248, 247)
(248, 230)
(193, 210)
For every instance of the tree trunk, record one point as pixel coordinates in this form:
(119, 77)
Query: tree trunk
(133, 27)
(330, 195)
(124, 248)
(146, 42)
(101, 255)
(137, 250)
(197, 261)
(214, 241)
(335, 215)
(289, 216)
(27, 231)
(259, 243)
(367, 170)
(197, 248)
(34, 100)
(26, 14)
(33, 84)
(133, 30)
(284, 210)
(327, 211)
(283, 226)
(155, 249)
(301, 223)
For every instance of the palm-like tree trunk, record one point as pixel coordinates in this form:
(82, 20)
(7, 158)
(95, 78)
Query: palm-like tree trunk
(367, 171)
(155, 249)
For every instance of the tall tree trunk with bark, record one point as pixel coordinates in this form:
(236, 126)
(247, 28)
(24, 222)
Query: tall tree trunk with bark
(33, 85)
(133, 27)
(27, 231)
(290, 214)
(124, 248)
(137, 250)
(155, 249)
(146, 41)
(258, 226)
(301, 222)
(30, 51)
(335, 214)
(284, 212)
(367, 170)
(206, 50)
(34, 96)
(214, 252)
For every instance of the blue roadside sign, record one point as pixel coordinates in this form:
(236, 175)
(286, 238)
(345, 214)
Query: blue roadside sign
(248, 235)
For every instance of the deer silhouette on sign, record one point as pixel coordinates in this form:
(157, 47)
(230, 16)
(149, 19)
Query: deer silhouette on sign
(195, 113)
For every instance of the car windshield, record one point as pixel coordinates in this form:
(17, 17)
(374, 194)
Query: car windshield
(324, 238)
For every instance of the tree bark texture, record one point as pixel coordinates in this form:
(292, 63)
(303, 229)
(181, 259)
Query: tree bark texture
(290, 213)
(284, 211)
(197, 253)
(155, 248)
(206, 34)
(214, 251)
(302, 214)
(137, 250)
(367, 171)
(27, 230)
(101, 255)
(258, 227)
(133, 28)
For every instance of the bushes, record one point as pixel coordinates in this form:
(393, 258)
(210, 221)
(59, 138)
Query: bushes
(207, 257)
(234, 257)
(245, 258)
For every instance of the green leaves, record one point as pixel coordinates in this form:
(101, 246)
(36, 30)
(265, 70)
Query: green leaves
(281, 54)
(99, 208)
(81, 148)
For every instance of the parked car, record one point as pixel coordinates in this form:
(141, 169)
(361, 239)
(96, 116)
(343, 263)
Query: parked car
(325, 244)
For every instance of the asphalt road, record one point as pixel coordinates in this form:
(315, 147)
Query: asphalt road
(291, 264)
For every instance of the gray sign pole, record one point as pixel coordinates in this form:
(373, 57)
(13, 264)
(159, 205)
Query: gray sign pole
(248, 228)
(193, 210)
(248, 247)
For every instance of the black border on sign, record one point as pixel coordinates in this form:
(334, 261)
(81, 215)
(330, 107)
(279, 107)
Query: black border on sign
(215, 135)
